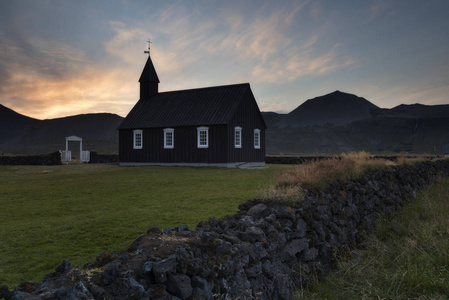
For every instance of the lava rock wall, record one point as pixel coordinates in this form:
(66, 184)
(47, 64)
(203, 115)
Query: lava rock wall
(38, 159)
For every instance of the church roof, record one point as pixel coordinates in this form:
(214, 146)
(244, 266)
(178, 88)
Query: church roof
(149, 72)
(194, 107)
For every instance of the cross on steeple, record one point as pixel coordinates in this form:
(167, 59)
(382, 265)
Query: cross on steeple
(148, 51)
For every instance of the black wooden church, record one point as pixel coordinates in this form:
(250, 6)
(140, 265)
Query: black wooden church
(215, 126)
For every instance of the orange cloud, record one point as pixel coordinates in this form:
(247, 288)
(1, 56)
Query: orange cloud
(93, 90)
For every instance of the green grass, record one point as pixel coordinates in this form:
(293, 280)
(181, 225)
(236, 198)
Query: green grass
(73, 212)
(407, 257)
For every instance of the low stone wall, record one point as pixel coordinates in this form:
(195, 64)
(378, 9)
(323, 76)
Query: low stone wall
(96, 158)
(292, 160)
(262, 252)
(303, 159)
(38, 159)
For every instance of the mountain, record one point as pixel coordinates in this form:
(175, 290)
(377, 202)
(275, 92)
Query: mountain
(421, 111)
(341, 122)
(336, 108)
(23, 135)
(12, 124)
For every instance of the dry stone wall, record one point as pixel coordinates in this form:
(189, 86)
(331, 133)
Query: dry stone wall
(38, 159)
(96, 158)
(262, 252)
(304, 159)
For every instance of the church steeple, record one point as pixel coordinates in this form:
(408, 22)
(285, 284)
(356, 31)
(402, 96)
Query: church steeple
(149, 82)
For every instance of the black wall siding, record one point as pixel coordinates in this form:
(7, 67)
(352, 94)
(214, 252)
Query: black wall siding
(249, 118)
(185, 146)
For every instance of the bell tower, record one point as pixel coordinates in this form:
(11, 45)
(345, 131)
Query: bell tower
(149, 82)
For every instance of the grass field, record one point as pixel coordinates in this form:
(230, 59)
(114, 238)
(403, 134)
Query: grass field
(407, 257)
(73, 212)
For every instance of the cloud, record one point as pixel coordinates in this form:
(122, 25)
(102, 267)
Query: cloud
(92, 92)
(376, 10)
(265, 46)
(299, 62)
(220, 40)
(47, 78)
(126, 43)
(255, 38)
(275, 105)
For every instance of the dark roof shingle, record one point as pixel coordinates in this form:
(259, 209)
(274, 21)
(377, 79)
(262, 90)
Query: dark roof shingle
(203, 106)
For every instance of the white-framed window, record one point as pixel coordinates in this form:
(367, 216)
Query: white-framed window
(203, 137)
(238, 137)
(169, 138)
(137, 139)
(256, 138)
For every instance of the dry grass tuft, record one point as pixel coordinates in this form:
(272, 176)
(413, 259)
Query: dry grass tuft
(292, 185)
(291, 195)
(344, 167)
(404, 160)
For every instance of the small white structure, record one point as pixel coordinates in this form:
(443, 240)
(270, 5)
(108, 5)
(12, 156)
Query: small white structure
(66, 156)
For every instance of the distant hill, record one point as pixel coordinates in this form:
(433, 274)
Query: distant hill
(336, 108)
(12, 124)
(420, 110)
(341, 122)
(23, 135)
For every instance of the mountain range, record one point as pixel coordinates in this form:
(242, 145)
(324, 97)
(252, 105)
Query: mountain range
(330, 124)
(20, 134)
(341, 122)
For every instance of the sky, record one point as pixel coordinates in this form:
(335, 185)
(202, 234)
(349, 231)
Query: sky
(62, 58)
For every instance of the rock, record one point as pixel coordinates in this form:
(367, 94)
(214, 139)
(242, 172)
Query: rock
(154, 231)
(70, 294)
(198, 282)
(81, 288)
(126, 288)
(5, 293)
(182, 228)
(179, 285)
(281, 286)
(105, 257)
(259, 250)
(271, 218)
(224, 249)
(301, 227)
(163, 268)
(254, 270)
(64, 267)
(169, 231)
(257, 210)
(110, 275)
(310, 254)
(199, 294)
(296, 246)
(97, 292)
(19, 295)
(147, 267)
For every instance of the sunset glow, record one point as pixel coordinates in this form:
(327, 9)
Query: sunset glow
(72, 57)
